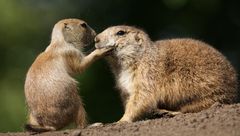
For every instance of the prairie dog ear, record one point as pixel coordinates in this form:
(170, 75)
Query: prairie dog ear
(67, 26)
(138, 38)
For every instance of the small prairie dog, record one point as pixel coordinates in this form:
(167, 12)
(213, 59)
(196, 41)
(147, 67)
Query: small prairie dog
(50, 90)
(167, 76)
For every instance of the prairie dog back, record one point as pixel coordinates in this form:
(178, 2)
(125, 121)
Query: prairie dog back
(191, 72)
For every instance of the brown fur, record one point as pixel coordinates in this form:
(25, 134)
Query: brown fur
(173, 76)
(51, 91)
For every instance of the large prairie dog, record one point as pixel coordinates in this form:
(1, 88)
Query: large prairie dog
(51, 91)
(168, 76)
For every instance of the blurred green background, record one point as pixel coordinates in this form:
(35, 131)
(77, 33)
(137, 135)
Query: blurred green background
(25, 29)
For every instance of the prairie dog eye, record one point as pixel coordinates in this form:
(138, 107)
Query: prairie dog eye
(84, 25)
(120, 33)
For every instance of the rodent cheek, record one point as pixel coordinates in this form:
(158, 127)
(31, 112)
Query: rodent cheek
(121, 41)
(110, 43)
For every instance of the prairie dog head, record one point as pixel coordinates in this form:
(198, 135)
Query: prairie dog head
(122, 38)
(73, 31)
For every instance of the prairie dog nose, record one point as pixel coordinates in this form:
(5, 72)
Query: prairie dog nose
(94, 33)
(96, 39)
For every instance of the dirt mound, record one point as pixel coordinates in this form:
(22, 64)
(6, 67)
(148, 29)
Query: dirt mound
(219, 120)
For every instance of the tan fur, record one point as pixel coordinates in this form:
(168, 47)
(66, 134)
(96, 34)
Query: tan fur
(175, 75)
(51, 91)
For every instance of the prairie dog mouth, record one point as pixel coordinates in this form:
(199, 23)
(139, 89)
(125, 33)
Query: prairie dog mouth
(99, 46)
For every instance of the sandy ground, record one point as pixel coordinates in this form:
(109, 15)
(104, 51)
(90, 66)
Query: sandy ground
(219, 120)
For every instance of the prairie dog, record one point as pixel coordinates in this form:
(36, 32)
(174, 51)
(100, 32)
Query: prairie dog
(51, 91)
(167, 76)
